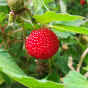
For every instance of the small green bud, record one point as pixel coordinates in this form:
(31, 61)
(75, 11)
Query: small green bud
(11, 18)
(16, 5)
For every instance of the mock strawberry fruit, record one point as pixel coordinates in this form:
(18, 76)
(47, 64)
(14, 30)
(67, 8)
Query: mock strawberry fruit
(82, 2)
(16, 5)
(42, 43)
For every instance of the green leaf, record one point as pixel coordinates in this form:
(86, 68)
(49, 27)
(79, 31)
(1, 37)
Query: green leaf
(69, 23)
(3, 2)
(63, 35)
(1, 79)
(37, 4)
(53, 77)
(17, 85)
(26, 16)
(61, 62)
(85, 68)
(52, 16)
(9, 67)
(75, 80)
(62, 28)
(2, 16)
(6, 79)
(48, 1)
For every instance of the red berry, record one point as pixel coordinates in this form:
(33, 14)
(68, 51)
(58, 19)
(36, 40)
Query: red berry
(42, 43)
(82, 2)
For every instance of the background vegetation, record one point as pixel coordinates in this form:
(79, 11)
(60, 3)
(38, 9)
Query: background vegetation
(68, 19)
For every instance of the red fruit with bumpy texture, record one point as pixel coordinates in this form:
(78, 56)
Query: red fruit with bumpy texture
(82, 2)
(42, 43)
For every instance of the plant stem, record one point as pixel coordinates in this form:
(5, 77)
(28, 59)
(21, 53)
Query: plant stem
(28, 2)
(82, 22)
(15, 32)
(24, 38)
(50, 70)
(24, 33)
(45, 6)
(86, 74)
(1, 44)
(81, 60)
(54, 64)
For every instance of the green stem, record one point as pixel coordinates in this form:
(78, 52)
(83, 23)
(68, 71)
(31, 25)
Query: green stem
(24, 33)
(24, 38)
(5, 41)
(45, 6)
(54, 64)
(50, 70)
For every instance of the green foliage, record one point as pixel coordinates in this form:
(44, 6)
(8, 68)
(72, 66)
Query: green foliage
(52, 16)
(75, 29)
(63, 35)
(3, 2)
(48, 1)
(75, 80)
(2, 16)
(61, 62)
(85, 68)
(37, 4)
(53, 77)
(18, 69)
(1, 79)
(9, 67)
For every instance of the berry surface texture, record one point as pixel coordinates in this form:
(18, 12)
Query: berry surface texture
(42, 43)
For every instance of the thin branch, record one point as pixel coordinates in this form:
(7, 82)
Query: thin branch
(49, 64)
(70, 61)
(86, 74)
(81, 60)
(1, 44)
(45, 6)
(28, 2)
(18, 41)
(24, 32)
(15, 32)
(82, 22)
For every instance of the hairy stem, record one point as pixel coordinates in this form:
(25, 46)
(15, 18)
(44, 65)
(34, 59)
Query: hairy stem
(81, 60)
(86, 74)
